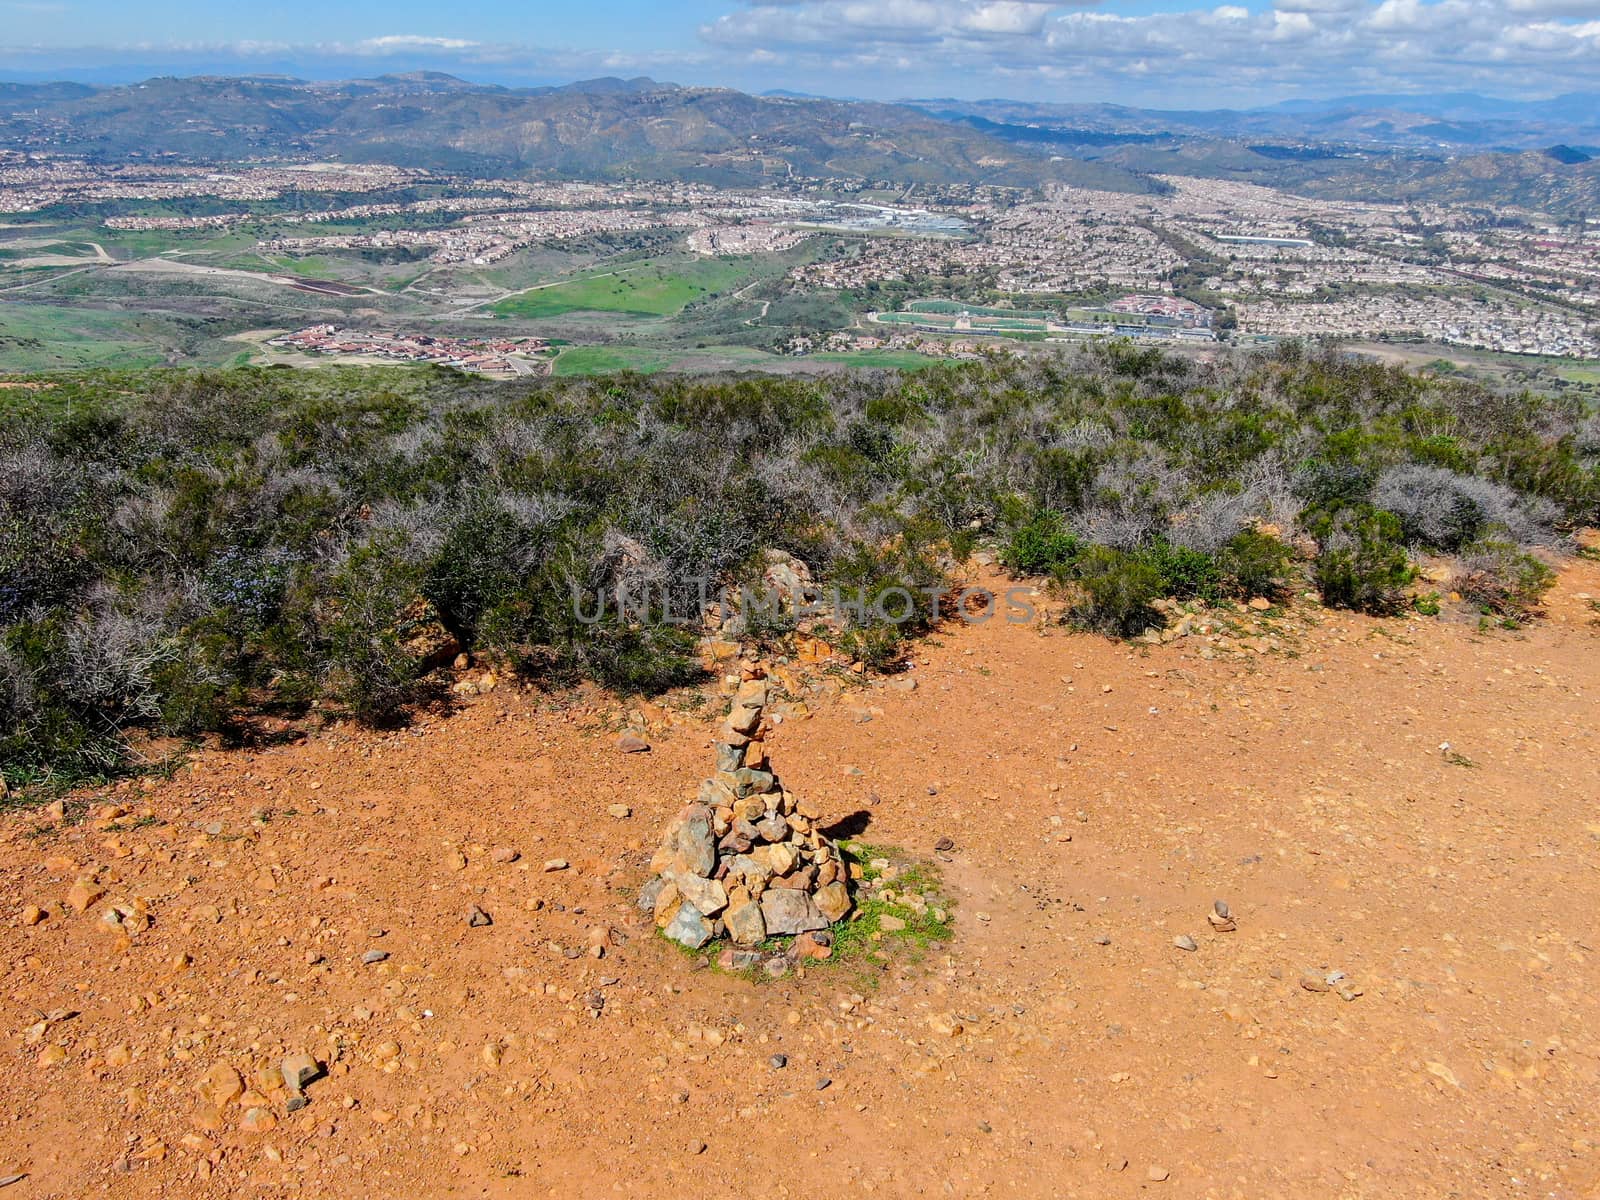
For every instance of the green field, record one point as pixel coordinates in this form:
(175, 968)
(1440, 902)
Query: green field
(38, 337)
(603, 360)
(649, 289)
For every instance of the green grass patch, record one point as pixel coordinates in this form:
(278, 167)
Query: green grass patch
(606, 360)
(39, 337)
(908, 891)
(900, 912)
(648, 289)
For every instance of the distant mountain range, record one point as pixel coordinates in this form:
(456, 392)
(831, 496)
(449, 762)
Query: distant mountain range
(597, 128)
(1458, 147)
(1462, 147)
(1425, 122)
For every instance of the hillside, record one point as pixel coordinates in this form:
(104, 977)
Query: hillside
(1557, 180)
(601, 128)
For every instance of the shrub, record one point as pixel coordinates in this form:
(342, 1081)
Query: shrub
(1255, 564)
(1501, 578)
(1363, 565)
(270, 538)
(1114, 592)
(1041, 547)
(1185, 573)
(1443, 510)
(373, 620)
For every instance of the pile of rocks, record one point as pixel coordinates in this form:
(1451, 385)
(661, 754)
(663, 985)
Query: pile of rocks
(746, 860)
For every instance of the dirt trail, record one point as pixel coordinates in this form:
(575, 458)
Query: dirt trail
(1099, 796)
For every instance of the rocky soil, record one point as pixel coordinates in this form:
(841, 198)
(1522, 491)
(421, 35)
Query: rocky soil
(410, 964)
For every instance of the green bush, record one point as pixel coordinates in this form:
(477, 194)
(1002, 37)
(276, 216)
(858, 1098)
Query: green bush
(1186, 574)
(1043, 546)
(1255, 564)
(1114, 592)
(373, 662)
(1363, 563)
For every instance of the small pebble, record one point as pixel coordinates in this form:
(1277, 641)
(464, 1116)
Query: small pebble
(374, 956)
(779, 1061)
(1184, 942)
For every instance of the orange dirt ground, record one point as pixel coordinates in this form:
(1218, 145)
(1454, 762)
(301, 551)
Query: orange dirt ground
(1093, 791)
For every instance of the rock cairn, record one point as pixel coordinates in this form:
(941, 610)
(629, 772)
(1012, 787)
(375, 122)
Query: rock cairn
(745, 860)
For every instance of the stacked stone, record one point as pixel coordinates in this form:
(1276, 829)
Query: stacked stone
(746, 860)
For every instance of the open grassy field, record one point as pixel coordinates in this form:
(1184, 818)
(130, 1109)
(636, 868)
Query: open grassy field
(657, 288)
(38, 337)
(603, 360)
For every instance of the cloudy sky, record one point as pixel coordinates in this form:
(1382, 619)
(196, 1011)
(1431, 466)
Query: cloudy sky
(1170, 53)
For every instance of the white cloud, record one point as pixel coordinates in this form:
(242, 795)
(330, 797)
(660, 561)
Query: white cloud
(1184, 57)
(401, 42)
(1301, 46)
(1556, 8)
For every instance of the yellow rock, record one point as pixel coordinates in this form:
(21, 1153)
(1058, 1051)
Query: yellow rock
(82, 894)
(221, 1085)
(258, 1120)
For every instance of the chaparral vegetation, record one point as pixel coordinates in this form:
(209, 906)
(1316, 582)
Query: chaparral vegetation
(181, 550)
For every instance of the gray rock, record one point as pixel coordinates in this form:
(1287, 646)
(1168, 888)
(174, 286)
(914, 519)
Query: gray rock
(789, 912)
(298, 1070)
(696, 847)
(745, 923)
(374, 956)
(733, 958)
(477, 918)
(714, 793)
(779, 1061)
(749, 870)
(689, 928)
(750, 782)
(1184, 942)
(773, 828)
(707, 895)
(729, 758)
(650, 892)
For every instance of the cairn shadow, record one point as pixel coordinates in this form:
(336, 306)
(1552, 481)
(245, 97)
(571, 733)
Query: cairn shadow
(848, 827)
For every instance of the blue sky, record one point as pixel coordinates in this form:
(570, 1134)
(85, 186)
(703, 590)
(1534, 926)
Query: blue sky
(1173, 53)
